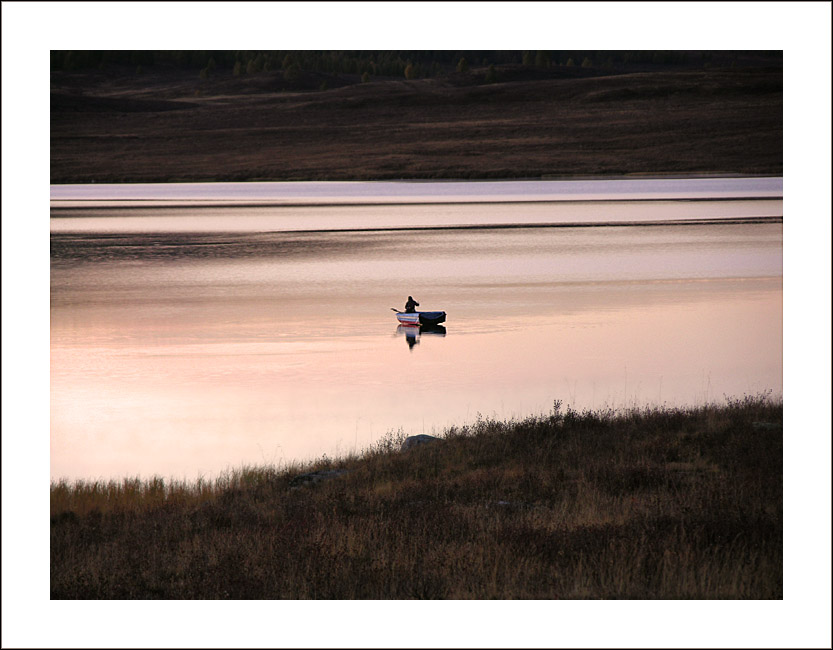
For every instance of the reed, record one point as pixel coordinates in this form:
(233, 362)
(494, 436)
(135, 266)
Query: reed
(649, 503)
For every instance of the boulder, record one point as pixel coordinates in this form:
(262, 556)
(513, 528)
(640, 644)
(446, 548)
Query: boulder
(415, 441)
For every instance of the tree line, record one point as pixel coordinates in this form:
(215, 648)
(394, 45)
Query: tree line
(412, 64)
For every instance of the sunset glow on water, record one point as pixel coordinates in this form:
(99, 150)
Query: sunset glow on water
(185, 352)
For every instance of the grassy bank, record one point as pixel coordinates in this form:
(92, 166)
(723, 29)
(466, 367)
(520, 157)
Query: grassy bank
(652, 503)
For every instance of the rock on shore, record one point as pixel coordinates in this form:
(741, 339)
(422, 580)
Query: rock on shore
(415, 441)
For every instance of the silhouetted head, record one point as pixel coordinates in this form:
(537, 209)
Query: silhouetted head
(410, 297)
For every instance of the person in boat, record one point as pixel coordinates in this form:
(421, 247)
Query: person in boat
(409, 306)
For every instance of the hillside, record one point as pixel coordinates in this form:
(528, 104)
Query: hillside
(122, 125)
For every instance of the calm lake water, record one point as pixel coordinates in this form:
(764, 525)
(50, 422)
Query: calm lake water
(200, 327)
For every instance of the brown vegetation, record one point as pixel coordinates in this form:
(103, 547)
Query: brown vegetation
(650, 504)
(566, 121)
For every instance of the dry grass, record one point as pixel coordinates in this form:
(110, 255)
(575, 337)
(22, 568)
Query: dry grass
(645, 504)
(725, 121)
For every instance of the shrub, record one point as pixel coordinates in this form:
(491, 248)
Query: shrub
(292, 72)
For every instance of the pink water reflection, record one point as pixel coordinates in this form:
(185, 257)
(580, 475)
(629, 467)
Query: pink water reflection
(165, 361)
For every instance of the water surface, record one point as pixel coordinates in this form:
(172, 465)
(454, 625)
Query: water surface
(184, 350)
(363, 192)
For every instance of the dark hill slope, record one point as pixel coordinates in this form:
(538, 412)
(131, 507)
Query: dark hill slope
(171, 127)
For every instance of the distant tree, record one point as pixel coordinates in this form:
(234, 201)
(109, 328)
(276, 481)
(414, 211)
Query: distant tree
(570, 63)
(65, 60)
(409, 71)
(527, 58)
(208, 69)
(542, 59)
(251, 67)
(491, 75)
(292, 72)
(238, 68)
(365, 77)
(587, 63)
(462, 65)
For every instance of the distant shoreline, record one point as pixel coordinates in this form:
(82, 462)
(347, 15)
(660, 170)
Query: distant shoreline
(131, 204)
(636, 176)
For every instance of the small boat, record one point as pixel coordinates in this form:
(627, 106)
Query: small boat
(417, 318)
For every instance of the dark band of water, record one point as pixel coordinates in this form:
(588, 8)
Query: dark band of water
(577, 224)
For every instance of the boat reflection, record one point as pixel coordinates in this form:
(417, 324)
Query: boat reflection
(413, 333)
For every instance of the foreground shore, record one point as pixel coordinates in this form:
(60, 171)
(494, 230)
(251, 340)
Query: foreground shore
(644, 504)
